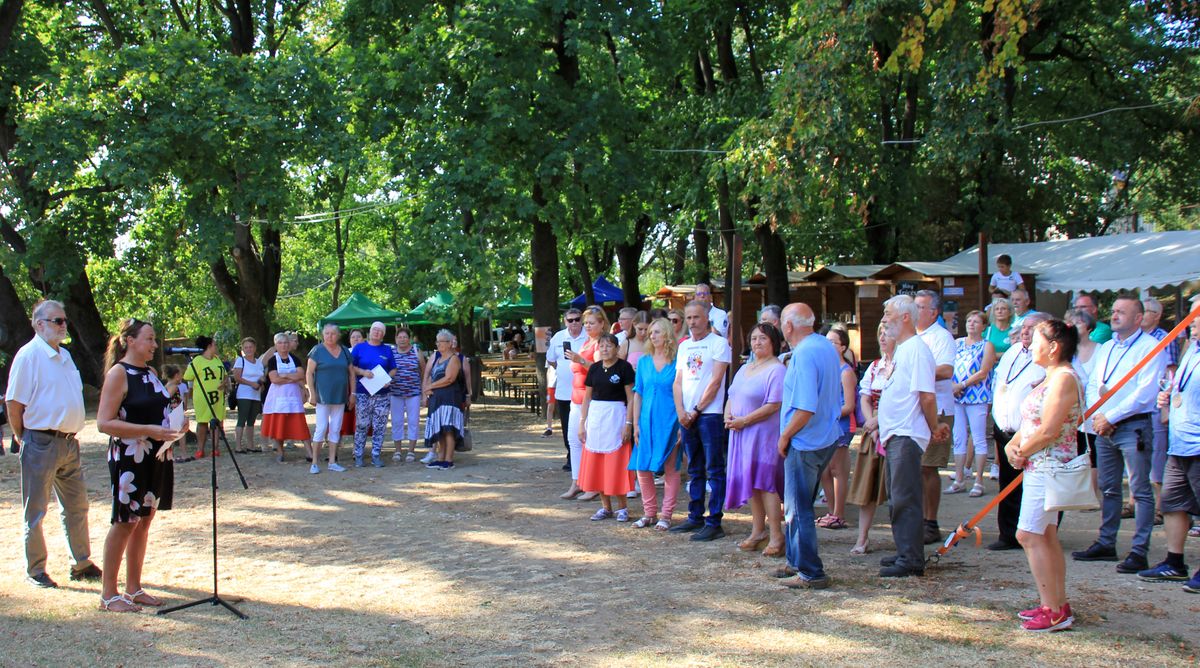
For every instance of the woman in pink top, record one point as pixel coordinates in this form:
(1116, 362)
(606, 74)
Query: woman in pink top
(634, 345)
(1049, 417)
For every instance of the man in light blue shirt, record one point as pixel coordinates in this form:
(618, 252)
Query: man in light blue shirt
(1124, 433)
(812, 401)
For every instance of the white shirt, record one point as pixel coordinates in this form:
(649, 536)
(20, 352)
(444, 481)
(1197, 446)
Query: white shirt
(719, 320)
(562, 365)
(1006, 283)
(621, 337)
(252, 371)
(1114, 359)
(694, 363)
(900, 413)
(941, 343)
(46, 381)
(1014, 378)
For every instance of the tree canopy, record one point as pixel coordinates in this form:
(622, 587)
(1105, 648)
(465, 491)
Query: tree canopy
(238, 166)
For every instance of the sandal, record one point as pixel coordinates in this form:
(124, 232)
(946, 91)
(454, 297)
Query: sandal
(976, 491)
(752, 544)
(140, 597)
(860, 549)
(823, 521)
(107, 604)
(662, 525)
(645, 522)
(774, 551)
(955, 488)
(835, 523)
(1194, 532)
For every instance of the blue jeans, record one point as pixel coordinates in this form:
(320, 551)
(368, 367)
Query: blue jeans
(1130, 446)
(705, 442)
(801, 477)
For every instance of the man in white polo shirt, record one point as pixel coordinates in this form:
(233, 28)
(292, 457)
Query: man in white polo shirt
(941, 343)
(45, 407)
(1124, 433)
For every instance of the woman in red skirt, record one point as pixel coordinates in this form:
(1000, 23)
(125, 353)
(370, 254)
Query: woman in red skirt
(606, 430)
(283, 410)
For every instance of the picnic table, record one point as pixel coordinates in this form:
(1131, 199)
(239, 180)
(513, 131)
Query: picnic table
(516, 377)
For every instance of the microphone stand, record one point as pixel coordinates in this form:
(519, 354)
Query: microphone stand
(214, 428)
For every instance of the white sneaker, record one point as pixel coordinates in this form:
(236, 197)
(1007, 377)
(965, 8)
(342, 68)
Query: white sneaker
(314, 469)
(994, 473)
(334, 467)
(427, 458)
(632, 495)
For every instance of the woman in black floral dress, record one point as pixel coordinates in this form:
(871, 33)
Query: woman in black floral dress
(134, 410)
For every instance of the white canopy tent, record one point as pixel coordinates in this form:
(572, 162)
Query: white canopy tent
(1117, 262)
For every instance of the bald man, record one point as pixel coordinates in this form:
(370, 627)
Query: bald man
(812, 403)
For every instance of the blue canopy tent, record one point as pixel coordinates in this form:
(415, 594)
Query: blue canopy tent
(606, 293)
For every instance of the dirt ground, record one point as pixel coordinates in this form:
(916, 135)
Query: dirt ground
(485, 566)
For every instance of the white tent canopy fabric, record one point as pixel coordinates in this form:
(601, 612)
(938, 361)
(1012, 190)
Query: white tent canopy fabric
(1117, 262)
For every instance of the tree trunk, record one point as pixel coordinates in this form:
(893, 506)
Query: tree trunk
(700, 237)
(253, 291)
(15, 327)
(677, 260)
(630, 257)
(543, 250)
(585, 275)
(774, 264)
(725, 217)
(89, 336)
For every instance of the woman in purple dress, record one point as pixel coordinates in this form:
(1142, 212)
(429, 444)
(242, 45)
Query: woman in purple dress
(754, 471)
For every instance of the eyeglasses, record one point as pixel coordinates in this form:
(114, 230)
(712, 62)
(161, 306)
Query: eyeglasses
(676, 320)
(573, 319)
(57, 321)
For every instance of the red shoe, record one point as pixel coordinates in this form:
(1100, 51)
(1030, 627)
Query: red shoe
(199, 454)
(216, 452)
(1026, 615)
(1049, 621)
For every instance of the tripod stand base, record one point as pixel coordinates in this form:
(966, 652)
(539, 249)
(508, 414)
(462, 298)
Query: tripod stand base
(211, 600)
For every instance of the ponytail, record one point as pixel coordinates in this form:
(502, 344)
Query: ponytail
(118, 344)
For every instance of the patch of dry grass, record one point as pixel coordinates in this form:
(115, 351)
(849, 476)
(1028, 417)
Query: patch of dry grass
(484, 566)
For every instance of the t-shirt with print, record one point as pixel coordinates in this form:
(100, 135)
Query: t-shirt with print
(608, 383)
(900, 411)
(694, 362)
(209, 373)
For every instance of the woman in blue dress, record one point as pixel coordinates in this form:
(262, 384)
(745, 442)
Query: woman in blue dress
(655, 426)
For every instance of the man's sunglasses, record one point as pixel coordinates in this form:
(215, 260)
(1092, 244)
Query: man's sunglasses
(58, 321)
(572, 319)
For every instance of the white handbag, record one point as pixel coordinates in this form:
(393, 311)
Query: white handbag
(1069, 484)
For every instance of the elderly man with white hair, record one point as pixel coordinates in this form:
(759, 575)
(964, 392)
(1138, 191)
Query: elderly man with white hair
(372, 409)
(45, 409)
(908, 418)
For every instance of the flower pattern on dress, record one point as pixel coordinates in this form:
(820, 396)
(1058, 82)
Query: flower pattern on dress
(150, 501)
(136, 448)
(125, 488)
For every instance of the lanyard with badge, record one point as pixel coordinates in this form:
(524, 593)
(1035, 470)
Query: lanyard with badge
(1109, 372)
(1185, 376)
(1009, 376)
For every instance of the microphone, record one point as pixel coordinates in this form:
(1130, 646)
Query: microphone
(173, 350)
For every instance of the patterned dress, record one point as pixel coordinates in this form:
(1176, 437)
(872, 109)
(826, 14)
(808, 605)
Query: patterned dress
(1065, 445)
(445, 404)
(140, 482)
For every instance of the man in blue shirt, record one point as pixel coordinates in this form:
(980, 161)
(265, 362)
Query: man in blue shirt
(812, 401)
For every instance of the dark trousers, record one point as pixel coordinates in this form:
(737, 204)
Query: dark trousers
(1009, 510)
(564, 412)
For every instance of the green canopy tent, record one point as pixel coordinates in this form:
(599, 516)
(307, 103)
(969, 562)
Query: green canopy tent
(519, 308)
(437, 310)
(360, 311)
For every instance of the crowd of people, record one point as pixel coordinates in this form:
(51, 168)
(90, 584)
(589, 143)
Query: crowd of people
(141, 410)
(787, 426)
(638, 406)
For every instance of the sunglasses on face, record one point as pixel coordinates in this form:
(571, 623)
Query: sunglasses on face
(573, 319)
(57, 321)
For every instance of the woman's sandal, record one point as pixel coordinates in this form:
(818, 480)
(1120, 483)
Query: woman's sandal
(860, 549)
(774, 551)
(835, 522)
(644, 522)
(662, 525)
(955, 488)
(568, 495)
(140, 597)
(752, 544)
(976, 491)
(823, 521)
(119, 603)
